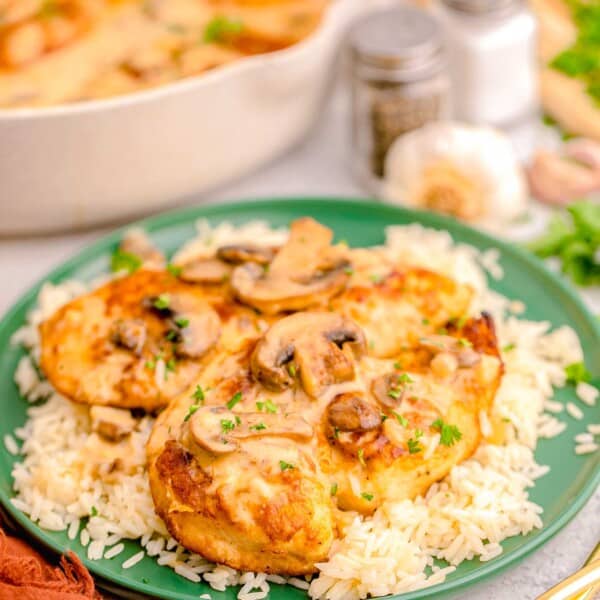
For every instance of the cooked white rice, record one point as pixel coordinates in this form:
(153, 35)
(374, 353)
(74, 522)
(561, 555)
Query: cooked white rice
(466, 516)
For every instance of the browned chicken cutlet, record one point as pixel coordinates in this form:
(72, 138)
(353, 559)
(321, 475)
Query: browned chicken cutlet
(306, 410)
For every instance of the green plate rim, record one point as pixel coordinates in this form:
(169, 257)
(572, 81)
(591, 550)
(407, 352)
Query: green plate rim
(207, 210)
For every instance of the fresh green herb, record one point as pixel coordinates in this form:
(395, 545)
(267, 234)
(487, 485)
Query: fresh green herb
(198, 394)
(508, 347)
(506, 420)
(172, 335)
(292, 369)
(349, 271)
(384, 418)
(150, 364)
(577, 372)
(413, 446)
(258, 427)
(394, 393)
(182, 322)
(124, 261)
(170, 366)
(227, 425)
(376, 278)
(93, 512)
(449, 434)
(425, 322)
(405, 378)
(191, 411)
(464, 343)
(334, 489)
(397, 365)
(267, 406)
(237, 397)
(418, 434)
(575, 61)
(575, 239)
(361, 457)
(336, 433)
(401, 419)
(285, 465)
(238, 420)
(162, 302)
(459, 322)
(442, 331)
(221, 29)
(549, 120)
(174, 270)
(367, 496)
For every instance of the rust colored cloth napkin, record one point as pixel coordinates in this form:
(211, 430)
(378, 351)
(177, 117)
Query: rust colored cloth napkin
(26, 575)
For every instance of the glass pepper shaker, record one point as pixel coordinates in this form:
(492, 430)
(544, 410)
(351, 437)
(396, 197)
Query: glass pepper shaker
(398, 83)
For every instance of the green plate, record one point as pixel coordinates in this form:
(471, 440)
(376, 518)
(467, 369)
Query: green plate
(561, 493)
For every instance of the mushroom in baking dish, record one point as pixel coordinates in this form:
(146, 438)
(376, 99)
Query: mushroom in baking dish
(306, 271)
(317, 347)
(219, 430)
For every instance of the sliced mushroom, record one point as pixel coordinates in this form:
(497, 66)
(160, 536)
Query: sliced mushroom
(114, 424)
(205, 270)
(136, 242)
(305, 272)
(220, 431)
(389, 390)
(195, 327)
(237, 254)
(350, 412)
(130, 334)
(316, 346)
(461, 348)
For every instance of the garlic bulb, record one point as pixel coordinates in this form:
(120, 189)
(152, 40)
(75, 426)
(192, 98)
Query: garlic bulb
(466, 171)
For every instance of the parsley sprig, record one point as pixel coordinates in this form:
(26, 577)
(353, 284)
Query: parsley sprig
(449, 434)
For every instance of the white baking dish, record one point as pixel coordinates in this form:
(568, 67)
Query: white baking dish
(76, 165)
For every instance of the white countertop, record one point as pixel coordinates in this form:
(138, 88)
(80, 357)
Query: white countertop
(319, 166)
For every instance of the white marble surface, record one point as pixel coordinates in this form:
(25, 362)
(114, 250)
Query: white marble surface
(320, 166)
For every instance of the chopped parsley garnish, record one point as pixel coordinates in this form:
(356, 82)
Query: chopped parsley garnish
(577, 372)
(292, 369)
(284, 466)
(170, 366)
(405, 378)
(238, 420)
(367, 496)
(174, 270)
(464, 343)
(425, 322)
(449, 434)
(334, 489)
(150, 364)
(93, 512)
(400, 418)
(413, 446)
(267, 406)
(172, 335)
(508, 347)
(336, 432)
(397, 365)
(459, 322)
(124, 261)
(418, 434)
(234, 400)
(227, 425)
(222, 28)
(361, 457)
(182, 322)
(376, 278)
(162, 302)
(191, 411)
(258, 427)
(394, 393)
(384, 418)
(349, 271)
(198, 394)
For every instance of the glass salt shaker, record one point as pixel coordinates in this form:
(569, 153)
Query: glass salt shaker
(398, 83)
(491, 47)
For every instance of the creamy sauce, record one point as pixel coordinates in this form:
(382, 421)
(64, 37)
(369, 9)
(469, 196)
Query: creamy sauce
(60, 51)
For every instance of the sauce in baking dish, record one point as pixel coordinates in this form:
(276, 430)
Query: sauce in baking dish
(60, 51)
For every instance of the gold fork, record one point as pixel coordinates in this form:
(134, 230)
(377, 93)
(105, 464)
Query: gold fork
(582, 585)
